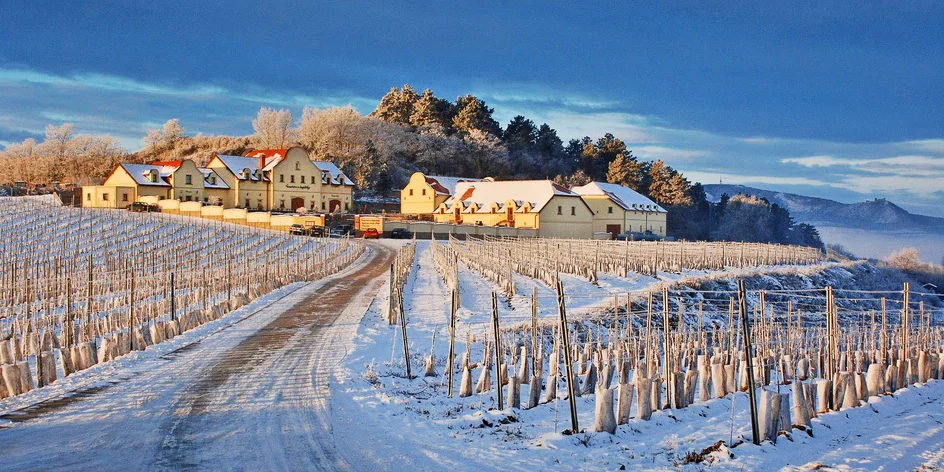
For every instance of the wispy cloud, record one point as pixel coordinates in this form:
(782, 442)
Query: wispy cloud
(667, 153)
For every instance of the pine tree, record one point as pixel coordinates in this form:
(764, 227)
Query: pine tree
(397, 105)
(660, 185)
(520, 134)
(473, 114)
(387, 108)
(678, 192)
(430, 110)
(626, 171)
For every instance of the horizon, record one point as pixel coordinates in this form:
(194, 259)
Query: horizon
(829, 101)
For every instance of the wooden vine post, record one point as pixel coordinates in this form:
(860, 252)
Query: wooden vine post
(406, 344)
(746, 334)
(391, 301)
(452, 341)
(565, 340)
(498, 352)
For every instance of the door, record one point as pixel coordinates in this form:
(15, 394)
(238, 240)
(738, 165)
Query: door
(614, 230)
(334, 205)
(297, 203)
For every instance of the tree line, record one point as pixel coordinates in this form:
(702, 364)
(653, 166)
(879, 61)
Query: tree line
(410, 131)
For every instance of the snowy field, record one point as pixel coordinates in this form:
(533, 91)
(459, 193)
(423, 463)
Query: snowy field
(471, 434)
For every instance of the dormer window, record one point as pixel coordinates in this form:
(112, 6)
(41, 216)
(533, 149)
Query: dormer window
(246, 174)
(298, 166)
(153, 176)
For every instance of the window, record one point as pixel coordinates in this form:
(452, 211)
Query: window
(323, 207)
(247, 203)
(609, 210)
(297, 166)
(291, 178)
(153, 177)
(281, 203)
(88, 197)
(303, 179)
(559, 211)
(124, 197)
(105, 197)
(313, 179)
(281, 178)
(424, 192)
(573, 211)
(188, 179)
(411, 194)
(347, 205)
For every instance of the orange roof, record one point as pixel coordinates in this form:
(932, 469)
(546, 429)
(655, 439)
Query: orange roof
(168, 163)
(267, 152)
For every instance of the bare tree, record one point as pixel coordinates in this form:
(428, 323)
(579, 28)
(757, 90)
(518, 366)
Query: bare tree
(273, 128)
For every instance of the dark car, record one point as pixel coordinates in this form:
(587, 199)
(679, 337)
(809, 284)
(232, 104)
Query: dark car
(317, 231)
(142, 207)
(400, 233)
(646, 235)
(342, 230)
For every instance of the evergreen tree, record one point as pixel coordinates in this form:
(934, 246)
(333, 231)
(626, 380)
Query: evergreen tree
(397, 105)
(608, 148)
(473, 114)
(626, 171)
(572, 155)
(678, 191)
(660, 183)
(520, 134)
(430, 110)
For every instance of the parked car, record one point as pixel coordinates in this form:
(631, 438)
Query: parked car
(646, 235)
(317, 231)
(298, 230)
(400, 233)
(142, 207)
(342, 230)
(371, 233)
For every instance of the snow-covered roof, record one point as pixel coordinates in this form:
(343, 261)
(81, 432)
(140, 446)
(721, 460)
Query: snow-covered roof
(335, 175)
(446, 185)
(220, 183)
(236, 164)
(141, 173)
(537, 192)
(625, 197)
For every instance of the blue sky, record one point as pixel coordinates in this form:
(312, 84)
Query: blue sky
(841, 100)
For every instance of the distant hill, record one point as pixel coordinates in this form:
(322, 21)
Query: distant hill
(873, 215)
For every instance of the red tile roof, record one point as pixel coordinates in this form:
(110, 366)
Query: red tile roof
(168, 163)
(267, 152)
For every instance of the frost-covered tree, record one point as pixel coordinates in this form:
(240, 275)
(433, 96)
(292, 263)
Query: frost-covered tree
(173, 130)
(430, 110)
(170, 133)
(473, 114)
(397, 105)
(273, 128)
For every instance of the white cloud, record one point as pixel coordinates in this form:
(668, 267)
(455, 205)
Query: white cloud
(916, 165)
(930, 145)
(666, 153)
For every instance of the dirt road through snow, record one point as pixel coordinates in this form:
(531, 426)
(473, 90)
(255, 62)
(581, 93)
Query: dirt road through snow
(254, 396)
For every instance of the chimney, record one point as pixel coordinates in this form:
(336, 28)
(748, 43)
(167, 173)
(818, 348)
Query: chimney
(261, 160)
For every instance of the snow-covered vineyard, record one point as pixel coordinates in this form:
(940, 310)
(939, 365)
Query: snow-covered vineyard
(576, 355)
(81, 287)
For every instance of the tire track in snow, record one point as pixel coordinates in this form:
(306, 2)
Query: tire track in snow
(265, 403)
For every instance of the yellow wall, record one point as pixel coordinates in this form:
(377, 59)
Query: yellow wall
(565, 225)
(423, 200)
(296, 176)
(223, 195)
(103, 196)
(228, 196)
(194, 191)
(637, 221)
(255, 192)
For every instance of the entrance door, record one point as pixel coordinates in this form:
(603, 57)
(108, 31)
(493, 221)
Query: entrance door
(297, 203)
(614, 230)
(334, 205)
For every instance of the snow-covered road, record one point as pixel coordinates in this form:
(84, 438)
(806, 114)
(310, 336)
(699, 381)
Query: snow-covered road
(254, 396)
